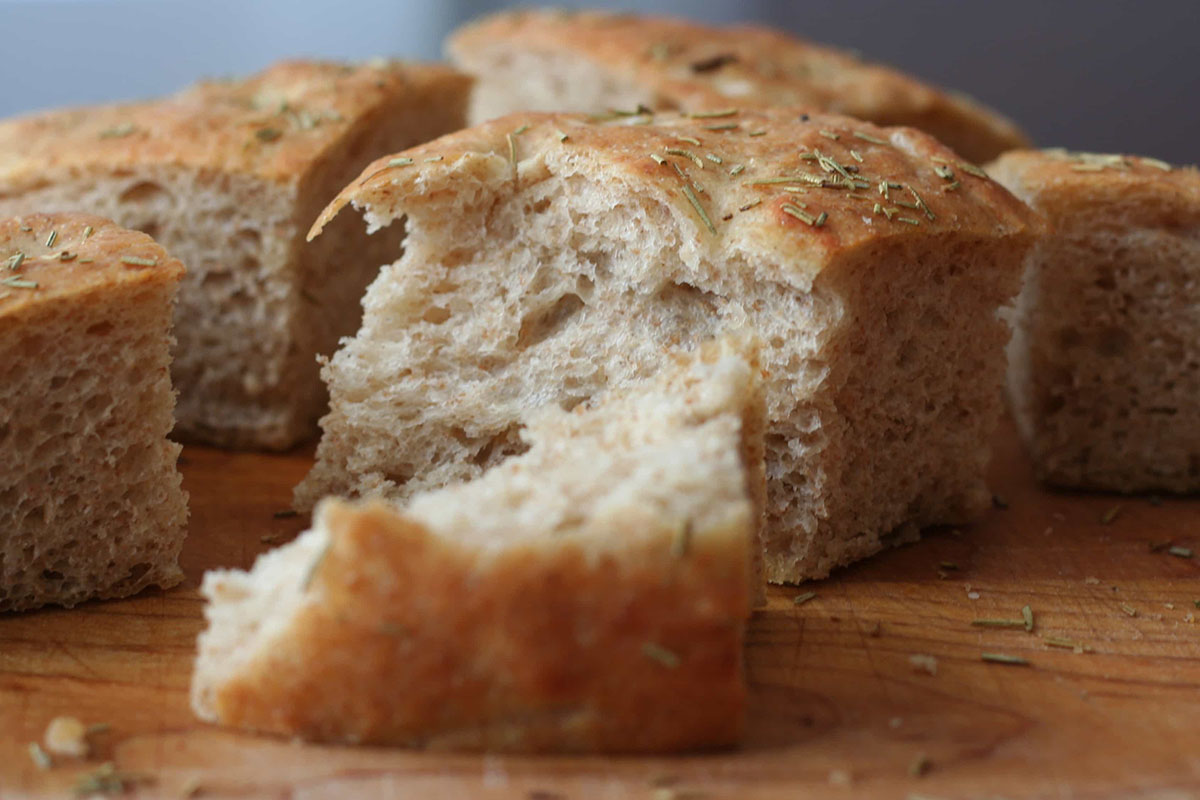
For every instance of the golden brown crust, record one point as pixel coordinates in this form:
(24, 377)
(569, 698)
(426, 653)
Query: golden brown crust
(407, 638)
(778, 182)
(273, 126)
(46, 257)
(1063, 183)
(691, 67)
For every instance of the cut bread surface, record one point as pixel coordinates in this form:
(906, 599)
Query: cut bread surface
(228, 176)
(588, 595)
(90, 498)
(550, 257)
(1104, 373)
(531, 60)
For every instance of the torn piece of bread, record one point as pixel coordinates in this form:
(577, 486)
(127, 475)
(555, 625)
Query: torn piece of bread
(592, 61)
(587, 596)
(228, 176)
(552, 256)
(1104, 365)
(90, 498)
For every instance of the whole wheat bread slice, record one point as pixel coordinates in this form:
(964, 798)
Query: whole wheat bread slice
(589, 595)
(90, 498)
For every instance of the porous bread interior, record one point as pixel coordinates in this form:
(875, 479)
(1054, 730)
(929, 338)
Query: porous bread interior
(654, 466)
(1104, 369)
(882, 385)
(510, 80)
(258, 303)
(637, 462)
(90, 499)
(247, 609)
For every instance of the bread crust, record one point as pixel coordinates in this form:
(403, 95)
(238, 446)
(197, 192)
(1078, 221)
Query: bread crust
(100, 255)
(757, 209)
(406, 638)
(1060, 183)
(229, 175)
(691, 67)
(274, 126)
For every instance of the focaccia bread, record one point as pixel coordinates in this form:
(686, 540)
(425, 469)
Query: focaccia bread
(228, 176)
(552, 256)
(593, 61)
(1104, 363)
(90, 498)
(588, 596)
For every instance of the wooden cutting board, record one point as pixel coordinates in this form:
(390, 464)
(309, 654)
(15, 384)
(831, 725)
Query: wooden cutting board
(838, 707)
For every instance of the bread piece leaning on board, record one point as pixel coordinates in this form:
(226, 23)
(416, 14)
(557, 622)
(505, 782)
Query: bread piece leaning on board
(593, 61)
(588, 596)
(90, 498)
(228, 176)
(1105, 361)
(552, 256)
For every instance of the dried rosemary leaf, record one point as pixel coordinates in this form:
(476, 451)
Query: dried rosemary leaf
(801, 599)
(656, 652)
(117, 132)
(40, 757)
(267, 134)
(1001, 658)
(866, 137)
(695, 201)
(286, 513)
(998, 623)
(1128, 609)
(1027, 615)
(1111, 514)
(671, 151)
(920, 765)
(138, 261)
(313, 566)
(971, 169)
(681, 542)
(1180, 552)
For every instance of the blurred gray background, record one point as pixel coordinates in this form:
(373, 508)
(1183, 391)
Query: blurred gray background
(1109, 75)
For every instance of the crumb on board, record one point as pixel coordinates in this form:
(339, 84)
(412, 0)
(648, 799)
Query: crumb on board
(923, 662)
(67, 736)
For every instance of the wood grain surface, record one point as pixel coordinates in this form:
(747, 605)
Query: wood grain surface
(838, 708)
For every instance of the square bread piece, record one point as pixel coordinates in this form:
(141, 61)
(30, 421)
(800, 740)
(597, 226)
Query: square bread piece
(593, 61)
(228, 176)
(90, 499)
(587, 596)
(1104, 372)
(551, 256)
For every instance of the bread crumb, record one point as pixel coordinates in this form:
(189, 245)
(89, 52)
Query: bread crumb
(973, 595)
(922, 662)
(67, 736)
(1090, 581)
(895, 722)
